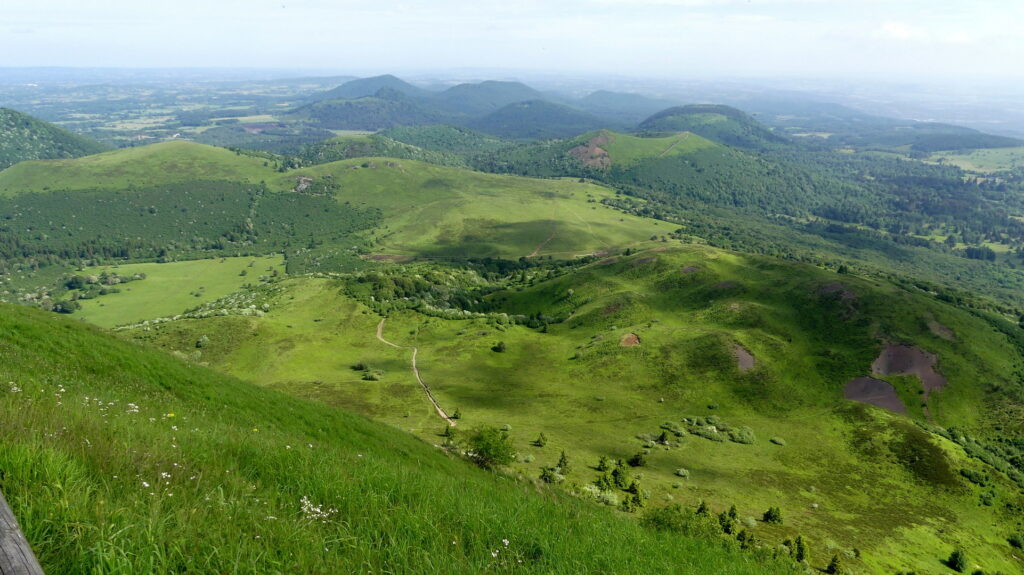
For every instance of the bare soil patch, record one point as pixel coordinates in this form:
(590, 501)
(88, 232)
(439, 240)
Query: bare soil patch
(611, 309)
(940, 330)
(690, 270)
(607, 261)
(744, 359)
(875, 392)
(387, 258)
(630, 340)
(908, 360)
(844, 292)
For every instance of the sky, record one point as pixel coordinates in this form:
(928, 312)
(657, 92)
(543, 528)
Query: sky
(936, 40)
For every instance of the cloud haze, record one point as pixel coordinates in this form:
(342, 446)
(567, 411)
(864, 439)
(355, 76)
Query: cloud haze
(885, 39)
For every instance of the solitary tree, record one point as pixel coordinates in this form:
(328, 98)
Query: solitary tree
(773, 515)
(489, 447)
(541, 440)
(563, 464)
(835, 566)
(800, 552)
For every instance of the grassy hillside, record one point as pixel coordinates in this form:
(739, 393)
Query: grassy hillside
(375, 145)
(439, 212)
(448, 139)
(23, 137)
(156, 164)
(631, 347)
(721, 124)
(122, 460)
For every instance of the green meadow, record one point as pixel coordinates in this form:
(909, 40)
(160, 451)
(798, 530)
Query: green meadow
(124, 460)
(983, 160)
(886, 485)
(172, 288)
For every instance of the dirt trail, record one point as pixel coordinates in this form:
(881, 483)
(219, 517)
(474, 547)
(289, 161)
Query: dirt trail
(415, 370)
(536, 251)
(674, 144)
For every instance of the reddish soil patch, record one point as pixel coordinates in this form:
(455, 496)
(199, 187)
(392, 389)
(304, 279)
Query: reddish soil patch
(387, 258)
(690, 270)
(592, 155)
(744, 359)
(907, 360)
(875, 392)
(630, 340)
(611, 309)
(843, 290)
(607, 261)
(940, 330)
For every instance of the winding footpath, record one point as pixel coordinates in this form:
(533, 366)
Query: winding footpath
(415, 370)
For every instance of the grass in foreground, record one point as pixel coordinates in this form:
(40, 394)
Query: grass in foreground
(118, 459)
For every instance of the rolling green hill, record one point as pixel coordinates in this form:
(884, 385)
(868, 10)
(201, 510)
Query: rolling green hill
(23, 137)
(387, 108)
(373, 145)
(721, 124)
(439, 212)
(363, 87)
(485, 97)
(156, 164)
(448, 139)
(536, 120)
(644, 353)
(118, 459)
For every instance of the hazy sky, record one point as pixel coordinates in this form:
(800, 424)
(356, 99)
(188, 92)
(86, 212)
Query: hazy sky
(885, 39)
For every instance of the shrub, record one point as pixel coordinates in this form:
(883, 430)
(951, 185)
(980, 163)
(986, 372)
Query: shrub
(528, 459)
(602, 464)
(498, 347)
(1016, 540)
(563, 464)
(541, 440)
(957, 561)
(506, 427)
(489, 447)
(638, 460)
(800, 551)
(778, 441)
(681, 472)
(773, 515)
(551, 475)
(743, 435)
(835, 566)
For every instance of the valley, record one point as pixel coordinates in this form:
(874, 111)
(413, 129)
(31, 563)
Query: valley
(683, 329)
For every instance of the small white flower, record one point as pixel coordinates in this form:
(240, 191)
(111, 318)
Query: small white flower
(145, 484)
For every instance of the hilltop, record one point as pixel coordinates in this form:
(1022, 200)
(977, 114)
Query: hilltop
(23, 137)
(722, 124)
(363, 87)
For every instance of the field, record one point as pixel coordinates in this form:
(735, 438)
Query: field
(984, 160)
(890, 492)
(171, 288)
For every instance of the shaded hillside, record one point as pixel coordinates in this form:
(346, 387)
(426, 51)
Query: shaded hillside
(363, 87)
(448, 139)
(387, 108)
(537, 119)
(485, 97)
(721, 124)
(23, 137)
(621, 107)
